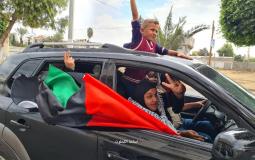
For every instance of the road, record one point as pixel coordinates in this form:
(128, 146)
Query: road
(244, 78)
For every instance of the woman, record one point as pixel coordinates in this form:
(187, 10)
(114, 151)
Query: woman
(146, 97)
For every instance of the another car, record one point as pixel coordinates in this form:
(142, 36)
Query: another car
(25, 135)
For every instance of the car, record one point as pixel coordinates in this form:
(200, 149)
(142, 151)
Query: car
(26, 135)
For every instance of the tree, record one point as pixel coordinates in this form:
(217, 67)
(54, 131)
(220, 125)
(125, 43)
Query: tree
(239, 58)
(226, 50)
(31, 13)
(60, 27)
(21, 31)
(194, 53)
(203, 52)
(3, 25)
(89, 33)
(12, 39)
(57, 37)
(173, 36)
(237, 21)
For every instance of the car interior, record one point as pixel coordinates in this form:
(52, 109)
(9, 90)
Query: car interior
(81, 68)
(209, 112)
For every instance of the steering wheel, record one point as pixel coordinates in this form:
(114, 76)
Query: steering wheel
(202, 111)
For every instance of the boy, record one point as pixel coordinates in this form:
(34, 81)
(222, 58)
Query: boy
(143, 39)
(144, 36)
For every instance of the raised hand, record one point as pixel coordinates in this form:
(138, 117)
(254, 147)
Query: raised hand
(174, 86)
(134, 10)
(69, 61)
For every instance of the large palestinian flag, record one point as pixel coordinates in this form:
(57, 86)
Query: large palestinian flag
(62, 102)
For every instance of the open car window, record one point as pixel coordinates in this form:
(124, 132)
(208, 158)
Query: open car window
(93, 68)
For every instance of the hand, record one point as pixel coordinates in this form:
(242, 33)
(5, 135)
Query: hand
(191, 134)
(69, 61)
(201, 104)
(182, 55)
(151, 76)
(174, 86)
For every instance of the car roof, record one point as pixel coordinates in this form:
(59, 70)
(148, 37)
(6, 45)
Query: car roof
(104, 51)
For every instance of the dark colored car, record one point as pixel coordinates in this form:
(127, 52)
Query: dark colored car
(25, 135)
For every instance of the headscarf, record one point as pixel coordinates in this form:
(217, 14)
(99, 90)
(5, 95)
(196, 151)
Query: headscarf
(137, 98)
(140, 89)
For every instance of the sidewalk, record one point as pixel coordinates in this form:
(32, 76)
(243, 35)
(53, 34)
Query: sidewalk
(12, 49)
(244, 78)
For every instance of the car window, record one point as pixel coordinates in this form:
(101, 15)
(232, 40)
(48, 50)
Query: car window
(27, 69)
(235, 90)
(81, 67)
(192, 92)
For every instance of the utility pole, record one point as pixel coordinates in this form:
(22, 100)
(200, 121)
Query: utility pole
(71, 15)
(248, 54)
(211, 44)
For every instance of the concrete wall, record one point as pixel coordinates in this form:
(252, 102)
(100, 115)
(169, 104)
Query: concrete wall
(244, 66)
(227, 63)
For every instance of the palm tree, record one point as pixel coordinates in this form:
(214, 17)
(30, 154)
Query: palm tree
(174, 37)
(89, 33)
(21, 31)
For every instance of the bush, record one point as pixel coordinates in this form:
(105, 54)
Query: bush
(252, 60)
(239, 58)
(226, 50)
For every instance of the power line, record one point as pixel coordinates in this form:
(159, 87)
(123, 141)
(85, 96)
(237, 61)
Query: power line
(105, 28)
(106, 4)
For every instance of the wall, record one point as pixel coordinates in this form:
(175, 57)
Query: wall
(227, 63)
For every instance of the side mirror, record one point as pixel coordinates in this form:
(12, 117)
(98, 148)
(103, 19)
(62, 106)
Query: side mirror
(235, 145)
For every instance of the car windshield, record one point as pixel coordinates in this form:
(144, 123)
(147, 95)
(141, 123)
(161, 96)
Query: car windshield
(235, 90)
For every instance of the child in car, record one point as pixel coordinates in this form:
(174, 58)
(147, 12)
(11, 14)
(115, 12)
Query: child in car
(143, 39)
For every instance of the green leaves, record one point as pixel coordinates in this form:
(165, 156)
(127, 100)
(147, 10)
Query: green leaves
(33, 13)
(226, 50)
(89, 32)
(173, 36)
(3, 25)
(237, 20)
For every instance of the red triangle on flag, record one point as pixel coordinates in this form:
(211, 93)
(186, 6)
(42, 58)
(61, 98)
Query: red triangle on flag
(110, 109)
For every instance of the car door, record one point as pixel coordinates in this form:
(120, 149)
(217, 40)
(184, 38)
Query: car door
(146, 145)
(43, 141)
(150, 145)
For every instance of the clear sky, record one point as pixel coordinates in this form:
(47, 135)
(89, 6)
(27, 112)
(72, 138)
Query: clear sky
(110, 19)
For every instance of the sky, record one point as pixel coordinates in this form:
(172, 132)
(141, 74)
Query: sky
(111, 19)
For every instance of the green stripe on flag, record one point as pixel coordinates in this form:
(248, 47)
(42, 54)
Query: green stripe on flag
(62, 84)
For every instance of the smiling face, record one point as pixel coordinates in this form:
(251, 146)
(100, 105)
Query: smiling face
(151, 100)
(150, 29)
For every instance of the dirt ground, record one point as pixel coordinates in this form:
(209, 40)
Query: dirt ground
(245, 78)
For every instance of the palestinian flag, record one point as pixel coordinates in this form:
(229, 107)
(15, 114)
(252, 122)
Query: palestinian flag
(62, 102)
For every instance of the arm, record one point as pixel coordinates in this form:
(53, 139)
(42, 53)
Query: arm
(136, 34)
(134, 10)
(164, 51)
(175, 93)
(174, 86)
(69, 61)
(192, 105)
(178, 54)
